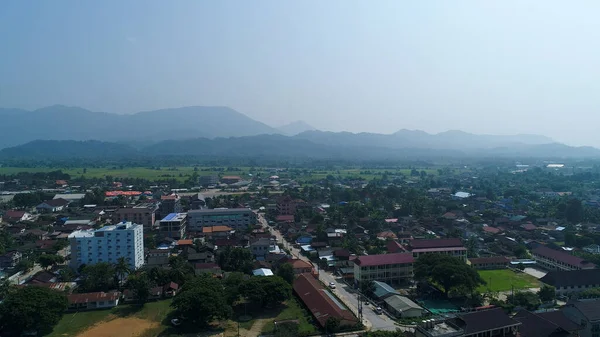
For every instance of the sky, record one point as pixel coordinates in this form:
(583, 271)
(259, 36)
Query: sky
(487, 67)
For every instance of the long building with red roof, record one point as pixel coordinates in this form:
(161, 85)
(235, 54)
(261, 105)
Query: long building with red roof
(389, 268)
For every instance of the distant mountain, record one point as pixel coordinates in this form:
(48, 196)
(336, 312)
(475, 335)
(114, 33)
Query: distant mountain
(60, 122)
(295, 128)
(65, 149)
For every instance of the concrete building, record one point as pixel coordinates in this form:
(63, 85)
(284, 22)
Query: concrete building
(286, 205)
(263, 246)
(389, 268)
(173, 225)
(569, 282)
(208, 180)
(491, 262)
(485, 323)
(143, 214)
(452, 247)
(169, 204)
(108, 244)
(236, 218)
(552, 259)
(586, 313)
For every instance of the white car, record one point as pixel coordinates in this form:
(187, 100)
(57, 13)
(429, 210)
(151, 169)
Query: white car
(176, 322)
(331, 285)
(378, 310)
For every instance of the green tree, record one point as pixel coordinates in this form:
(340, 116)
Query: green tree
(122, 269)
(201, 301)
(574, 211)
(266, 291)
(286, 272)
(31, 309)
(236, 259)
(24, 265)
(233, 283)
(448, 272)
(180, 270)
(286, 329)
(526, 299)
(140, 285)
(547, 293)
(381, 333)
(367, 288)
(332, 324)
(98, 277)
(48, 260)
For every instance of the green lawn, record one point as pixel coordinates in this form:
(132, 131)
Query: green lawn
(73, 323)
(505, 279)
(294, 310)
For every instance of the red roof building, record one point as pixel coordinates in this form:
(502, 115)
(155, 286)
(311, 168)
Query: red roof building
(453, 247)
(389, 268)
(552, 259)
(322, 304)
(90, 301)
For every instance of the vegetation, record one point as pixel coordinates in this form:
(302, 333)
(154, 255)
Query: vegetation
(448, 272)
(505, 280)
(266, 291)
(201, 301)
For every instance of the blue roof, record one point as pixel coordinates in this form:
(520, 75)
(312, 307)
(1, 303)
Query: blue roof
(383, 289)
(170, 216)
(304, 240)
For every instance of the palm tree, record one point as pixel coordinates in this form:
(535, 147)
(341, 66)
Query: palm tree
(121, 269)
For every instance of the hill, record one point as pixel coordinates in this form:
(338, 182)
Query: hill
(295, 128)
(60, 122)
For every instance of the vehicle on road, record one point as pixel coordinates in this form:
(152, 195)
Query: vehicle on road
(378, 310)
(331, 285)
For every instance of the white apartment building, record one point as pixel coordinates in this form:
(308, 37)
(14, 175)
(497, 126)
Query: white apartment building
(236, 218)
(108, 244)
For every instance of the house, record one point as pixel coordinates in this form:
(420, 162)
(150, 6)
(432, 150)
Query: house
(157, 257)
(262, 272)
(263, 246)
(10, 259)
(211, 268)
(592, 249)
(385, 235)
(402, 307)
(90, 301)
(585, 313)
(284, 218)
(51, 206)
(394, 247)
(383, 290)
(62, 183)
(492, 262)
(486, 323)
(156, 293)
(16, 216)
(552, 259)
(453, 247)
(568, 282)
(390, 268)
(216, 231)
(321, 303)
(544, 325)
(70, 197)
(491, 230)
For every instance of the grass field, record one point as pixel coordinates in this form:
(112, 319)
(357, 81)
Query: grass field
(80, 323)
(294, 310)
(505, 279)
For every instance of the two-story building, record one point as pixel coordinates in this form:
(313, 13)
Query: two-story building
(486, 323)
(452, 246)
(552, 259)
(586, 313)
(568, 282)
(236, 218)
(489, 262)
(263, 246)
(389, 268)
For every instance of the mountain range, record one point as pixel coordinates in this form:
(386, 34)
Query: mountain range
(62, 132)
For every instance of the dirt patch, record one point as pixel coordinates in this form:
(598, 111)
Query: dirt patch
(120, 327)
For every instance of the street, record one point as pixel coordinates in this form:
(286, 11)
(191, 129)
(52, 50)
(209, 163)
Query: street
(371, 320)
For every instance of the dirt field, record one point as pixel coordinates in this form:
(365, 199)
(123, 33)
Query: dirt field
(120, 327)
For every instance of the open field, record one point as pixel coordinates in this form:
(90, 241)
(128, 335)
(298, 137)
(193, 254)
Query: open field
(293, 310)
(505, 280)
(124, 320)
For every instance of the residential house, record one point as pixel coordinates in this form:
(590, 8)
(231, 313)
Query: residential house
(263, 246)
(321, 303)
(10, 259)
(567, 282)
(390, 268)
(453, 247)
(395, 247)
(51, 206)
(157, 257)
(216, 231)
(91, 301)
(552, 259)
(586, 313)
(385, 235)
(70, 197)
(156, 293)
(486, 323)
(402, 307)
(16, 216)
(492, 262)
(540, 325)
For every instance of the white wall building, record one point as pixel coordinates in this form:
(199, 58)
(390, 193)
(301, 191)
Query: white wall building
(108, 244)
(236, 218)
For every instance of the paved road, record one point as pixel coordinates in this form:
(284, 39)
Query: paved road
(371, 320)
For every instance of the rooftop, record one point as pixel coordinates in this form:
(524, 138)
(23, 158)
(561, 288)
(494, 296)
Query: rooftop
(491, 259)
(572, 277)
(561, 256)
(485, 320)
(219, 211)
(435, 243)
(381, 259)
(216, 229)
(175, 217)
(589, 308)
(92, 297)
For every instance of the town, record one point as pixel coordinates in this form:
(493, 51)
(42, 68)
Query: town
(453, 251)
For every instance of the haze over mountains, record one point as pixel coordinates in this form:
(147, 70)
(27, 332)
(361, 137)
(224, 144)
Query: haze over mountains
(222, 131)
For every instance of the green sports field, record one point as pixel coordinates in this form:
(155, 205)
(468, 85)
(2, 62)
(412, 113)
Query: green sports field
(505, 280)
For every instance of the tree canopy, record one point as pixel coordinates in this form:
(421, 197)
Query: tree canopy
(236, 259)
(448, 272)
(202, 300)
(266, 291)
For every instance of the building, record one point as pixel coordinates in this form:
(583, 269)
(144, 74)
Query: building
(173, 225)
(217, 231)
(321, 303)
(586, 313)
(546, 324)
(453, 247)
(197, 201)
(567, 282)
(236, 218)
(108, 244)
(143, 214)
(51, 206)
(383, 290)
(208, 180)
(231, 179)
(286, 205)
(491, 262)
(486, 323)
(262, 272)
(91, 301)
(210, 268)
(169, 204)
(70, 197)
(157, 258)
(592, 249)
(10, 259)
(402, 307)
(16, 216)
(552, 259)
(263, 246)
(390, 268)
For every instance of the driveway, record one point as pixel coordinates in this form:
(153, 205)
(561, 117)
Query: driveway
(537, 273)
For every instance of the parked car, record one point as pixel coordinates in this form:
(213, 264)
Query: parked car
(378, 310)
(331, 285)
(176, 322)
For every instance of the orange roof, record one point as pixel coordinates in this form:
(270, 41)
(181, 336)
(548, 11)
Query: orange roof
(125, 193)
(216, 229)
(232, 177)
(185, 242)
(300, 264)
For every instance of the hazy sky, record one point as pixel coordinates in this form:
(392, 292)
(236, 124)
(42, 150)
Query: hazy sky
(497, 67)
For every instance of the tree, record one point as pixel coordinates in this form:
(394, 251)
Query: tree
(286, 329)
(574, 211)
(286, 272)
(236, 259)
(24, 265)
(367, 288)
(547, 293)
(5, 288)
(332, 324)
(98, 277)
(140, 285)
(35, 309)
(382, 333)
(181, 270)
(201, 301)
(449, 272)
(233, 283)
(121, 269)
(48, 260)
(266, 291)
(526, 299)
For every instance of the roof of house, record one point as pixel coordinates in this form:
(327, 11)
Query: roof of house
(394, 247)
(561, 278)
(491, 259)
(589, 308)
(299, 264)
(14, 214)
(484, 320)
(285, 218)
(559, 318)
(383, 289)
(55, 202)
(262, 272)
(432, 250)
(320, 302)
(216, 229)
(435, 243)
(492, 230)
(93, 297)
(185, 242)
(533, 325)
(528, 226)
(561, 256)
(381, 259)
(386, 235)
(232, 177)
(342, 252)
(401, 303)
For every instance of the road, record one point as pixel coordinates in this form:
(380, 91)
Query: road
(371, 320)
